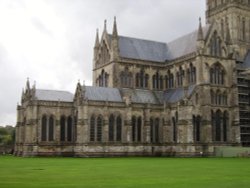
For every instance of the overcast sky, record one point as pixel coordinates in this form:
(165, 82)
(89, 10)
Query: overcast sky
(51, 41)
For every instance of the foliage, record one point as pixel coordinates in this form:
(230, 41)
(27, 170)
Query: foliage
(7, 135)
(124, 172)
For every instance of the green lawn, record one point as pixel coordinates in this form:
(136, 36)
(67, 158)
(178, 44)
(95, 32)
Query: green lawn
(124, 172)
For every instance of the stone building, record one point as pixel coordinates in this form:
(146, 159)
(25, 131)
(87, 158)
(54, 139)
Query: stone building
(179, 98)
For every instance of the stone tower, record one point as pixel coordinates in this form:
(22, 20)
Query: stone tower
(235, 16)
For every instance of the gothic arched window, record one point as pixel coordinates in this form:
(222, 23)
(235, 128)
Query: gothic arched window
(141, 79)
(197, 128)
(154, 130)
(51, 128)
(126, 78)
(215, 45)
(103, 79)
(118, 128)
(62, 128)
(99, 128)
(92, 128)
(217, 74)
(136, 129)
(225, 125)
(111, 127)
(69, 129)
(44, 128)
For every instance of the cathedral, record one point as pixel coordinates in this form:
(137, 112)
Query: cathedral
(180, 98)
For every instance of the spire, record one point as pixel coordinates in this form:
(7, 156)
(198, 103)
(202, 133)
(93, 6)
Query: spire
(200, 31)
(27, 84)
(115, 33)
(97, 38)
(105, 26)
(228, 36)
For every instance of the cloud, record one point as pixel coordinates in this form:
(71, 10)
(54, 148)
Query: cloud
(51, 41)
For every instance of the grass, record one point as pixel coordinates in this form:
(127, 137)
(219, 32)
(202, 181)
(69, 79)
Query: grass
(18, 172)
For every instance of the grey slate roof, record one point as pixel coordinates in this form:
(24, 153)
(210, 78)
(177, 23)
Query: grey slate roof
(175, 95)
(145, 96)
(102, 94)
(52, 95)
(142, 49)
(184, 45)
(158, 51)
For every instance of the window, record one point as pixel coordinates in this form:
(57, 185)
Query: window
(44, 128)
(136, 129)
(118, 128)
(215, 45)
(102, 80)
(69, 129)
(196, 128)
(126, 78)
(225, 125)
(47, 128)
(180, 77)
(92, 128)
(62, 128)
(141, 79)
(51, 128)
(217, 74)
(157, 81)
(191, 74)
(99, 128)
(96, 125)
(154, 130)
(111, 128)
(115, 128)
(174, 129)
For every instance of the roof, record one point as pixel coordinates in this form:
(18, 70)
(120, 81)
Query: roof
(185, 44)
(158, 51)
(175, 95)
(142, 49)
(102, 94)
(52, 95)
(144, 96)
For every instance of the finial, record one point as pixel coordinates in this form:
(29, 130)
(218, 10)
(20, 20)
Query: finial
(115, 33)
(97, 38)
(28, 83)
(200, 31)
(105, 25)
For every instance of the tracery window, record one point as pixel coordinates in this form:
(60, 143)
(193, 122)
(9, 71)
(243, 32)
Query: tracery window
(157, 81)
(66, 129)
(96, 124)
(102, 80)
(126, 78)
(191, 74)
(215, 45)
(218, 98)
(217, 74)
(115, 128)
(47, 132)
(220, 123)
(141, 80)
(180, 76)
(169, 80)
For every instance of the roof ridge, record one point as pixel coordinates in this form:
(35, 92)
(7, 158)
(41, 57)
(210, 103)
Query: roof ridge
(53, 90)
